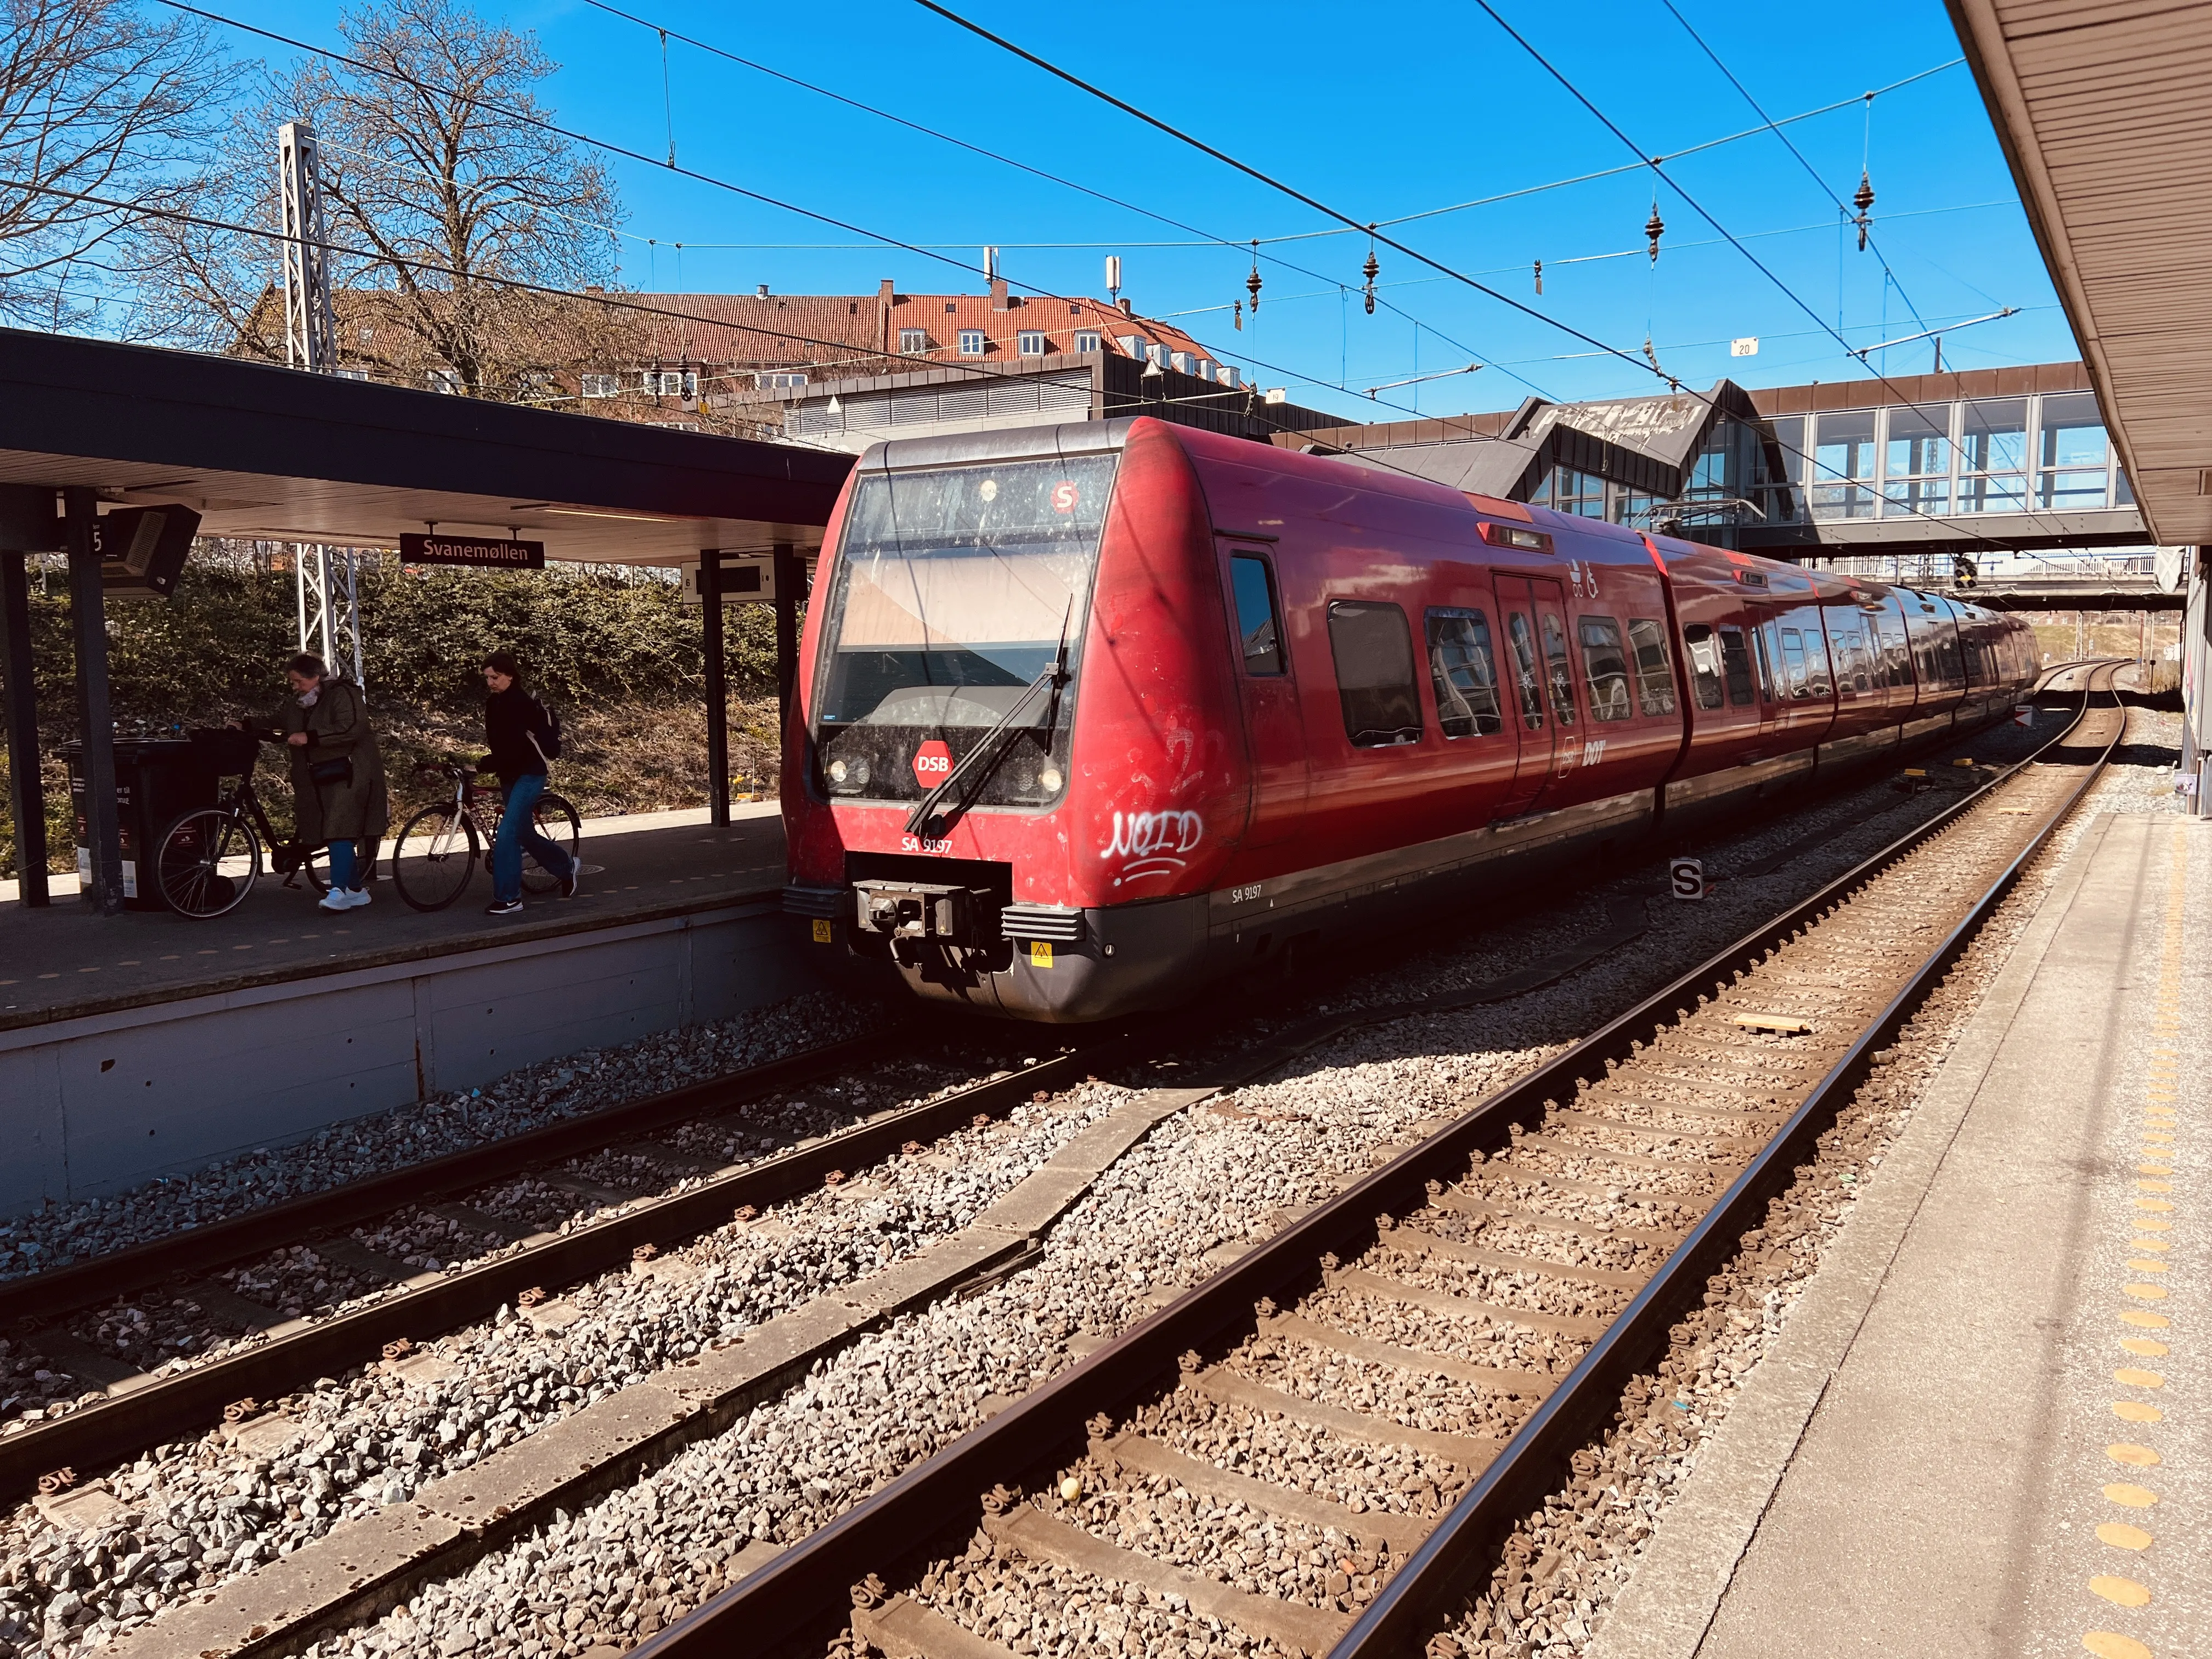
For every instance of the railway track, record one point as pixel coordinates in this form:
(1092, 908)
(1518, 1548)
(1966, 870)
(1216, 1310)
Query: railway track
(365, 1266)
(544, 1208)
(1321, 1448)
(612, 1226)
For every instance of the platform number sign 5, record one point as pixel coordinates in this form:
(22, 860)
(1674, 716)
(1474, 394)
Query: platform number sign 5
(1686, 878)
(932, 762)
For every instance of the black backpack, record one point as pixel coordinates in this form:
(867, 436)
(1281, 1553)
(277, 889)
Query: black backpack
(549, 746)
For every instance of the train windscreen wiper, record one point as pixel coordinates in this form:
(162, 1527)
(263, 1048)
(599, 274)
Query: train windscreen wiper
(977, 765)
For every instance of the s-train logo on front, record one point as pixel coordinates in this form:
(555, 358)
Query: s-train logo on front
(1150, 843)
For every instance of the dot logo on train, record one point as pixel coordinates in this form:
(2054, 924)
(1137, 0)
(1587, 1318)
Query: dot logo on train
(933, 763)
(1179, 668)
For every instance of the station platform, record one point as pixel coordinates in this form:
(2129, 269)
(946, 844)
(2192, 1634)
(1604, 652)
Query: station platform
(135, 1045)
(1986, 1428)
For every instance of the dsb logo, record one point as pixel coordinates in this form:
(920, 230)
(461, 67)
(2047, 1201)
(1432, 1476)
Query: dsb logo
(931, 763)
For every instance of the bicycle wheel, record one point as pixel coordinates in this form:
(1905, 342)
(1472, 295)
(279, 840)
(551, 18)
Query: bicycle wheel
(432, 857)
(556, 821)
(207, 863)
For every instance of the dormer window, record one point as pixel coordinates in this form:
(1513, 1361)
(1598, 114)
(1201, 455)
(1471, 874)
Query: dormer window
(1086, 339)
(1030, 343)
(971, 342)
(914, 340)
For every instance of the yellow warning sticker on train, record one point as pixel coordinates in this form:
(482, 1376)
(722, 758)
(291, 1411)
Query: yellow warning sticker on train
(1040, 953)
(823, 933)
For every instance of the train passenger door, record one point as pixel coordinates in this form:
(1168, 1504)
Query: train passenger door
(1533, 610)
(1274, 730)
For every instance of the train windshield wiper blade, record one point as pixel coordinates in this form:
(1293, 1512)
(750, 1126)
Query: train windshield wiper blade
(976, 766)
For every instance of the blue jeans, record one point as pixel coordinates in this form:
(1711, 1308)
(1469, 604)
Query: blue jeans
(342, 872)
(518, 830)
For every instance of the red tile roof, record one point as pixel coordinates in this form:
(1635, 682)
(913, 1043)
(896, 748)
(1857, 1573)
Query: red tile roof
(831, 336)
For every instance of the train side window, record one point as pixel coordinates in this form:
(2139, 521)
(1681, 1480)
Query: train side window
(1464, 673)
(1559, 673)
(1524, 670)
(1258, 623)
(1605, 668)
(1816, 664)
(1735, 660)
(1793, 663)
(1704, 664)
(1654, 675)
(1768, 655)
(1374, 653)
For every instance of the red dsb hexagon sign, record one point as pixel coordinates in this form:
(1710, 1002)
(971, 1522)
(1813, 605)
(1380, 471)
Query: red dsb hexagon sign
(931, 764)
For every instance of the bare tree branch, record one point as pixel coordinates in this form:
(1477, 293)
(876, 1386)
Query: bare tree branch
(433, 171)
(96, 98)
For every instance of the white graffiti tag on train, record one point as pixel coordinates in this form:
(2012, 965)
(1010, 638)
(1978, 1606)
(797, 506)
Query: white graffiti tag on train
(1151, 842)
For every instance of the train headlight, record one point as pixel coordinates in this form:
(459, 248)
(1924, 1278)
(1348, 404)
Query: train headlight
(1050, 778)
(848, 774)
(838, 771)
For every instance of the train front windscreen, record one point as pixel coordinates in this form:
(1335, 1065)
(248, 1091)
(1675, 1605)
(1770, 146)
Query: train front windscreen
(956, 591)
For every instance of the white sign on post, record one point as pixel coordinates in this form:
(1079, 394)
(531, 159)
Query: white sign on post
(1747, 346)
(1686, 878)
(747, 579)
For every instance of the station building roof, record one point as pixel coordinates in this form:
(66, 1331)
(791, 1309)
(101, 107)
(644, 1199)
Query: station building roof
(275, 454)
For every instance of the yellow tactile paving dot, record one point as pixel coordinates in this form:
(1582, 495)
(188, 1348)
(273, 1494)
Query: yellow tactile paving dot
(2106, 1644)
(2135, 1457)
(2122, 1536)
(2146, 1347)
(2145, 1318)
(2135, 1497)
(2134, 1379)
(2124, 1592)
(2144, 1292)
(2150, 1267)
(2135, 1411)
(2152, 1225)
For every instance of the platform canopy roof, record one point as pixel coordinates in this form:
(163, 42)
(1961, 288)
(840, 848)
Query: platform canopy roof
(2100, 107)
(276, 455)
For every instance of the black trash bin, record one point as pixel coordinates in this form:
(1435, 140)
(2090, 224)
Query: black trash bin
(157, 781)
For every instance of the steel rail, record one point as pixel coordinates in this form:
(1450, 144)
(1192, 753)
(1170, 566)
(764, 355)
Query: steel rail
(811, 1582)
(186, 1403)
(1535, 1461)
(203, 1249)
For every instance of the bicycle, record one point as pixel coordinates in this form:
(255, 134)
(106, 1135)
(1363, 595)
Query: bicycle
(440, 847)
(208, 859)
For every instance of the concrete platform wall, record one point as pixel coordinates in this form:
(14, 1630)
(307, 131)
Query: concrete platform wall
(99, 1105)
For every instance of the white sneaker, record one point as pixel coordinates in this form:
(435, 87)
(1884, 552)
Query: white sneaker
(356, 898)
(336, 899)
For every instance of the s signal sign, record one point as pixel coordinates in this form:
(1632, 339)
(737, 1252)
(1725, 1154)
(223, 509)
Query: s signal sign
(1686, 878)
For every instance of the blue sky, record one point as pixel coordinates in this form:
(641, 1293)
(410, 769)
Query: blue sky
(1378, 112)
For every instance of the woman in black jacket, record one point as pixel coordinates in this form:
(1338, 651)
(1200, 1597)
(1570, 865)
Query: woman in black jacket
(520, 736)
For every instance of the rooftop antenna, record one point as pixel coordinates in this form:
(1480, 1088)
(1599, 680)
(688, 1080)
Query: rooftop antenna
(1113, 277)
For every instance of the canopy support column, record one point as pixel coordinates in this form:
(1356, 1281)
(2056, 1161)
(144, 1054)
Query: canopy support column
(26, 799)
(718, 689)
(88, 622)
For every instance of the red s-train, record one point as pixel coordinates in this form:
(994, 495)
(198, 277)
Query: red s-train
(1092, 716)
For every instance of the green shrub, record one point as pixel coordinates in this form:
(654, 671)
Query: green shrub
(605, 643)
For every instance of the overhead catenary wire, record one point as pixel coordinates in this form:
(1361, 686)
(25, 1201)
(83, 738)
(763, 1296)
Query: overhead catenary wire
(1351, 223)
(1659, 172)
(1811, 172)
(556, 129)
(1253, 402)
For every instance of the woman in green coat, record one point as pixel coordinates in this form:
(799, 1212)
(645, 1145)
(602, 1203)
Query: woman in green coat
(337, 776)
